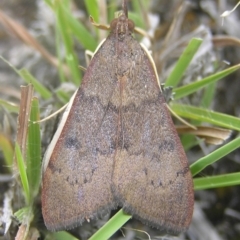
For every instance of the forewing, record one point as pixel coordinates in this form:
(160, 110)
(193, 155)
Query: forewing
(77, 178)
(151, 177)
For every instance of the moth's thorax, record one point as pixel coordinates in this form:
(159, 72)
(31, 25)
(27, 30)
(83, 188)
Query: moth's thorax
(123, 44)
(122, 25)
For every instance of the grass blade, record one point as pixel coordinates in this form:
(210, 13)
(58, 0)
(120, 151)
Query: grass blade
(202, 163)
(22, 172)
(29, 78)
(63, 24)
(62, 235)
(11, 107)
(205, 115)
(193, 87)
(113, 225)
(183, 62)
(92, 9)
(224, 180)
(34, 150)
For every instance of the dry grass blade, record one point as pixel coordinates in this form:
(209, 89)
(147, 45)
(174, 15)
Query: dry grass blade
(24, 233)
(211, 135)
(21, 232)
(223, 41)
(23, 117)
(181, 119)
(21, 32)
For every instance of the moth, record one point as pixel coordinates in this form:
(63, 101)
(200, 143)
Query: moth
(116, 144)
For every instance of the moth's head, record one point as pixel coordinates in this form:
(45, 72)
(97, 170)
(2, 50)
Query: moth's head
(122, 25)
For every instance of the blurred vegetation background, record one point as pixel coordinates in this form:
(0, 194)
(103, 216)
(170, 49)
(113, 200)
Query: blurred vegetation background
(44, 42)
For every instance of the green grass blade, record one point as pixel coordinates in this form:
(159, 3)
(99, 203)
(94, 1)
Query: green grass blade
(183, 62)
(63, 95)
(62, 13)
(189, 141)
(92, 9)
(193, 87)
(208, 95)
(225, 180)
(138, 21)
(83, 35)
(201, 114)
(21, 213)
(203, 162)
(34, 150)
(113, 225)
(22, 172)
(24, 215)
(62, 236)
(28, 77)
(80, 32)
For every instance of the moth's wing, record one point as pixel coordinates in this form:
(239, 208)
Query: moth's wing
(79, 162)
(151, 177)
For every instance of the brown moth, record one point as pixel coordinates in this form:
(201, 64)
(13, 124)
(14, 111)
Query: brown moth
(117, 145)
